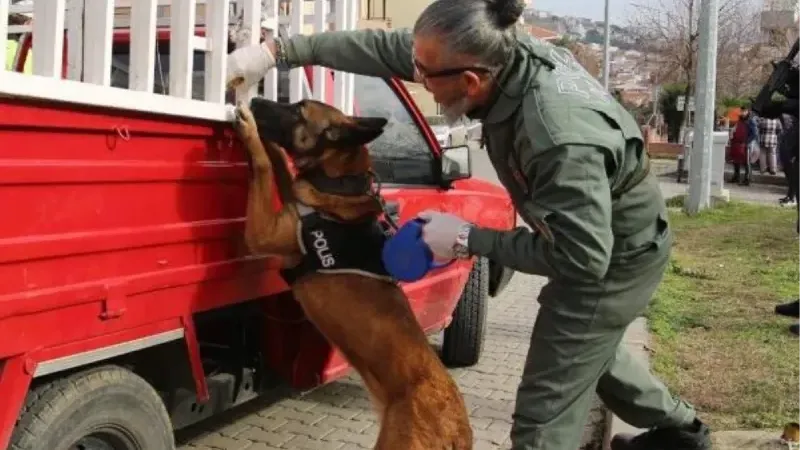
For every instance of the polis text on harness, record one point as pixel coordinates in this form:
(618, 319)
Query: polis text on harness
(333, 246)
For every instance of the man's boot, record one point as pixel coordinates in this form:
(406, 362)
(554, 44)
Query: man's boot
(791, 309)
(696, 436)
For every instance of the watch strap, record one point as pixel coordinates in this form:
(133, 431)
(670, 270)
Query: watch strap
(461, 247)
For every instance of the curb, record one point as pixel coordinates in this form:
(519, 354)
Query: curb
(663, 167)
(756, 178)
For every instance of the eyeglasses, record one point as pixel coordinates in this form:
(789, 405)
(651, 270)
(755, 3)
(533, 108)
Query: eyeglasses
(425, 74)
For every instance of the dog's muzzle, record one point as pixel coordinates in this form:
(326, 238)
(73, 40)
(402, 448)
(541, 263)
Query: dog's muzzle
(275, 121)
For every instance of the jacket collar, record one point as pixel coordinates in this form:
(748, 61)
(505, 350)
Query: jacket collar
(513, 82)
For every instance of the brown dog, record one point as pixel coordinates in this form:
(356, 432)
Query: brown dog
(419, 404)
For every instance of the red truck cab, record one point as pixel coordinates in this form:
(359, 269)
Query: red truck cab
(122, 266)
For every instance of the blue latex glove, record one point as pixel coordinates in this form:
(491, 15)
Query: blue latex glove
(439, 233)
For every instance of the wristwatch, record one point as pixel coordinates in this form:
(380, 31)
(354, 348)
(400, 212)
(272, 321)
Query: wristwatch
(461, 247)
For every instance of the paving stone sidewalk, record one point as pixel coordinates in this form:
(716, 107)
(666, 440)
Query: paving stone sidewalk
(338, 416)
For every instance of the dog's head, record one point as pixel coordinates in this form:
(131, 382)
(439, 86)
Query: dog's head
(312, 131)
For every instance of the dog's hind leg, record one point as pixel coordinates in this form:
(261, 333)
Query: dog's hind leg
(377, 395)
(463, 439)
(396, 432)
(409, 424)
(266, 230)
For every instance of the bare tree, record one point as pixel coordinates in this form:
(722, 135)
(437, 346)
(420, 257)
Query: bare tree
(743, 53)
(669, 28)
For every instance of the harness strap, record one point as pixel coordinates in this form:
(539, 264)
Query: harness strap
(348, 185)
(330, 245)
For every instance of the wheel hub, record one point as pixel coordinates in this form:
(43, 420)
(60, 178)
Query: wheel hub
(104, 440)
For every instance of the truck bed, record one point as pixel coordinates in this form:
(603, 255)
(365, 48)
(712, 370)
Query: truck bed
(118, 220)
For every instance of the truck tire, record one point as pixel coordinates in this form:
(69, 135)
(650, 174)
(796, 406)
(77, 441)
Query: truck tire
(463, 339)
(103, 408)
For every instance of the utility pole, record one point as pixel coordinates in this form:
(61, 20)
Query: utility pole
(606, 48)
(699, 196)
(689, 91)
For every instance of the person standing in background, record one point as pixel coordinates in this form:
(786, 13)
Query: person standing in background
(768, 131)
(739, 145)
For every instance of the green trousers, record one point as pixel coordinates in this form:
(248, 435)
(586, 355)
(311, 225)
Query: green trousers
(576, 350)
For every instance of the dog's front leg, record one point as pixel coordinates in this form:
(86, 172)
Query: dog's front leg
(266, 231)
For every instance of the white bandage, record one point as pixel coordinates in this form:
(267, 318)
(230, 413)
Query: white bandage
(248, 65)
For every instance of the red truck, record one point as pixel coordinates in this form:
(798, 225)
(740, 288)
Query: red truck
(129, 306)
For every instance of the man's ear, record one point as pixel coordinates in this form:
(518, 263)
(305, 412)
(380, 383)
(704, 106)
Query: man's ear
(474, 83)
(360, 131)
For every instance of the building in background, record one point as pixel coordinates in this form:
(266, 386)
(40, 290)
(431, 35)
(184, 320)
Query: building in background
(544, 34)
(390, 14)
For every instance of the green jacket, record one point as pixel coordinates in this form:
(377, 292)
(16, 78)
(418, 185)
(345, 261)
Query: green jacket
(570, 156)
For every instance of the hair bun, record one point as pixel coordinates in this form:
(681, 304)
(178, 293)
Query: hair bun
(506, 13)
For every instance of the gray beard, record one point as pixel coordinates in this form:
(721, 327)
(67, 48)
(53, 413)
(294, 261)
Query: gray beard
(455, 111)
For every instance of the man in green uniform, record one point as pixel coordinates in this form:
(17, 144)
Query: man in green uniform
(574, 164)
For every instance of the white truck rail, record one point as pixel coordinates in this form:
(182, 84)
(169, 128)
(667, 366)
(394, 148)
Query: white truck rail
(89, 25)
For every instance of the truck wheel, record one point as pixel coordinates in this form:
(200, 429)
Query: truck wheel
(104, 408)
(463, 339)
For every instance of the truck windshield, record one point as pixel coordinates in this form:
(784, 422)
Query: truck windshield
(401, 154)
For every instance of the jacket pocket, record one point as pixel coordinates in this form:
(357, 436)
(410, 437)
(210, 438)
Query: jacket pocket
(643, 245)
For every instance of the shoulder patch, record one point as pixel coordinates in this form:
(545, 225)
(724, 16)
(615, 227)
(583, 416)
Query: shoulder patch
(552, 109)
(552, 120)
(570, 106)
(571, 79)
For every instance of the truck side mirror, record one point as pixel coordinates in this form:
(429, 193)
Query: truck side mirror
(456, 163)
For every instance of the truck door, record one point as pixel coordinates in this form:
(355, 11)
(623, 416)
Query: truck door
(404, 160)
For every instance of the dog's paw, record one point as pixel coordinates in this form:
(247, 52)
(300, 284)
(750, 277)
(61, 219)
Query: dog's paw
(245, 122)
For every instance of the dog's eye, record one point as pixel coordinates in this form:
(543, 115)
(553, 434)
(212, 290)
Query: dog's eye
(332, 133)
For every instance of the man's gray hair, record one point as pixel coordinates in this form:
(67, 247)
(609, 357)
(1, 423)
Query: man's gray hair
(483, 29)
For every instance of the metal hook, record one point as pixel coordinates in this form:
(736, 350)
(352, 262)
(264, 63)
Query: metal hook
(123, 132)
(376, 195)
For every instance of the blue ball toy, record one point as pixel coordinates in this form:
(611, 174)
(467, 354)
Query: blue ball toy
(406, 256)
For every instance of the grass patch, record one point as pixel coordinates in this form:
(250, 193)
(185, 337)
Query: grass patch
(716, 340)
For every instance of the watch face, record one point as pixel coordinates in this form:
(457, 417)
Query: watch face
(461, 248)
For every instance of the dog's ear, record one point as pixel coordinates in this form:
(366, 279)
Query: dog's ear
(360, 131)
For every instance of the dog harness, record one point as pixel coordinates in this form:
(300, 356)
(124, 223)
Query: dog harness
(332, 246)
